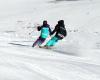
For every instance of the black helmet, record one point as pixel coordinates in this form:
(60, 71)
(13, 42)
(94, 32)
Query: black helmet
(44, 22)
(61, 22)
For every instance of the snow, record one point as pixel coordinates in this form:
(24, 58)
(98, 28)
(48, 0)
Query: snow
(77, 57)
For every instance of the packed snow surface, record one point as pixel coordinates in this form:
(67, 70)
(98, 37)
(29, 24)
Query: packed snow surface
(76, 57)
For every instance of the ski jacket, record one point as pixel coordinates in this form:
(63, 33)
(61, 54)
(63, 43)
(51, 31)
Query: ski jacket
(60, 31)
(45, 30)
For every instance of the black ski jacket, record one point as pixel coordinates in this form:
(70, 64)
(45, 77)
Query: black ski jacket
(59, 29)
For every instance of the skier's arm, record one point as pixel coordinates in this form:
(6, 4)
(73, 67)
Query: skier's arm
(50, 31)
(54, 30)
(65, 32)
(39, 28)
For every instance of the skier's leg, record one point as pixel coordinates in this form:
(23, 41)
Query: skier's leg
(52, 41)
(41, 41)
(36, 42)
(49, 43)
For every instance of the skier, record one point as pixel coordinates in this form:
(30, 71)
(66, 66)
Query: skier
(45, 32)
(60, 33)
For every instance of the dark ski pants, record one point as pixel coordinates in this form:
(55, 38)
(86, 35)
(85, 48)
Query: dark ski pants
(38, 42)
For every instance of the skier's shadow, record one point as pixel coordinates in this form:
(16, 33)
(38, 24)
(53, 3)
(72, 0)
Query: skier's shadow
(19, 44)
(66, 53)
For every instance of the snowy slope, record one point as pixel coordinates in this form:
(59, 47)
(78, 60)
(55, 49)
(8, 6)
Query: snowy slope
(74, 58)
